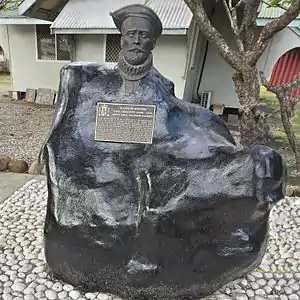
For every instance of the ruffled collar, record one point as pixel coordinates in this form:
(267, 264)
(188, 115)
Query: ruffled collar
(133, 73)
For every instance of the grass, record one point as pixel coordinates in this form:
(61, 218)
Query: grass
(269, 98)
(280, 142)
(5, 80)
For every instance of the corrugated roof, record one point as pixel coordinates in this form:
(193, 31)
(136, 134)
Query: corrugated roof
(271, 12)
(95, 14)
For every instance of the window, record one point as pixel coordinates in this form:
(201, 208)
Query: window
(113, 47)
(52, 47)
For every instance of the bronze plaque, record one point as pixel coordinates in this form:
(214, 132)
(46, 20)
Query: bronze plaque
(125, 123)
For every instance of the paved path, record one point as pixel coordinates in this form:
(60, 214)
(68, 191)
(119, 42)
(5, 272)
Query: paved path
(10, 182)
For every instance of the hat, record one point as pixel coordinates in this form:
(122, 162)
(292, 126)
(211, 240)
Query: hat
(137, 10)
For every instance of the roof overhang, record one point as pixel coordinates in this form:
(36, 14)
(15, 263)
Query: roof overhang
(46, 10)
(23, 21)
(182, 31)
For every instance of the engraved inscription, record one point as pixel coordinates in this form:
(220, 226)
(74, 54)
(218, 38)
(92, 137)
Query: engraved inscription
(125, 123)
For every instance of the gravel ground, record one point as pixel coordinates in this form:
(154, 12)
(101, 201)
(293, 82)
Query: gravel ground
(23, 128)
(23, 273)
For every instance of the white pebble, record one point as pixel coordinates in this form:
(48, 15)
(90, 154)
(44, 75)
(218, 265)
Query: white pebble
(62, 295)
(250, 293)
(30, 278)
(38, 269)
(102, 296)
(51, 295)
(260, 292)
(3, 278)
(18, 287)
(8, 283)
(28, 291)
(57, 287)
(74, 294)
(90, 296)
(297, 255)
(68, 287)
(40, 288)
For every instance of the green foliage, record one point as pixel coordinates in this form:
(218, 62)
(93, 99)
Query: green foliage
(278, 3)
(147, 1)
(9, 4)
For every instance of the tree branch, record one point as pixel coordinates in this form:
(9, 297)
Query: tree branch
(248, 25)
(212, 35)
(267, 84)
(231, 14)
(239, 4)
(273, 27)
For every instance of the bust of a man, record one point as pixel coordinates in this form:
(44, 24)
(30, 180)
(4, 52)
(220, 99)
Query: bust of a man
(140, 28)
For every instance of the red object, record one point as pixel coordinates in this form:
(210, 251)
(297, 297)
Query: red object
(286, 68)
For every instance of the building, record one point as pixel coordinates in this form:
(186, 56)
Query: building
(44, 35)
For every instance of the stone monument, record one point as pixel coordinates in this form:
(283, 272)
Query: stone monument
(149, 196)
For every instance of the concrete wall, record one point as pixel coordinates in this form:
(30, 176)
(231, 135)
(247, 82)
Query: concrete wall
(197, 46)
(281, 43)
(217, 74)
(90, 47)
(27, 70)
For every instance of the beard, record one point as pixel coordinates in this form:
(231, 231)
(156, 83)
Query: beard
(136, 58)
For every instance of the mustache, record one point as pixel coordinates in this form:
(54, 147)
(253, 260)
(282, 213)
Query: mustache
(136, 48)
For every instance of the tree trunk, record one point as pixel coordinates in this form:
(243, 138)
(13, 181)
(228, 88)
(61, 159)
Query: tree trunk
(253, 125)
(289, 131)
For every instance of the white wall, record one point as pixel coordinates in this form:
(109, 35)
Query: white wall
(27, 71)
(197, 46)
(90, 47)
(217, 77)
(170, 56)
(217, 74)
(282, 42)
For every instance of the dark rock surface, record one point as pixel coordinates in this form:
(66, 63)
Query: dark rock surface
(173, 220)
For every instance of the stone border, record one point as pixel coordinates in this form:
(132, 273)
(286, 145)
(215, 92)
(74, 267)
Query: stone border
(20, 166)
(293, 191)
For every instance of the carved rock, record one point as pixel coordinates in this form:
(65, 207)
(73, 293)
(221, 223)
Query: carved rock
(176, 219)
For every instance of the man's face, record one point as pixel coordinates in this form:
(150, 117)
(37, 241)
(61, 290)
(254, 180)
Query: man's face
(137, 40)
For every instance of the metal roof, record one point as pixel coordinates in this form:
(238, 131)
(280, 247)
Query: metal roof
(93, 16)
(271, 12)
